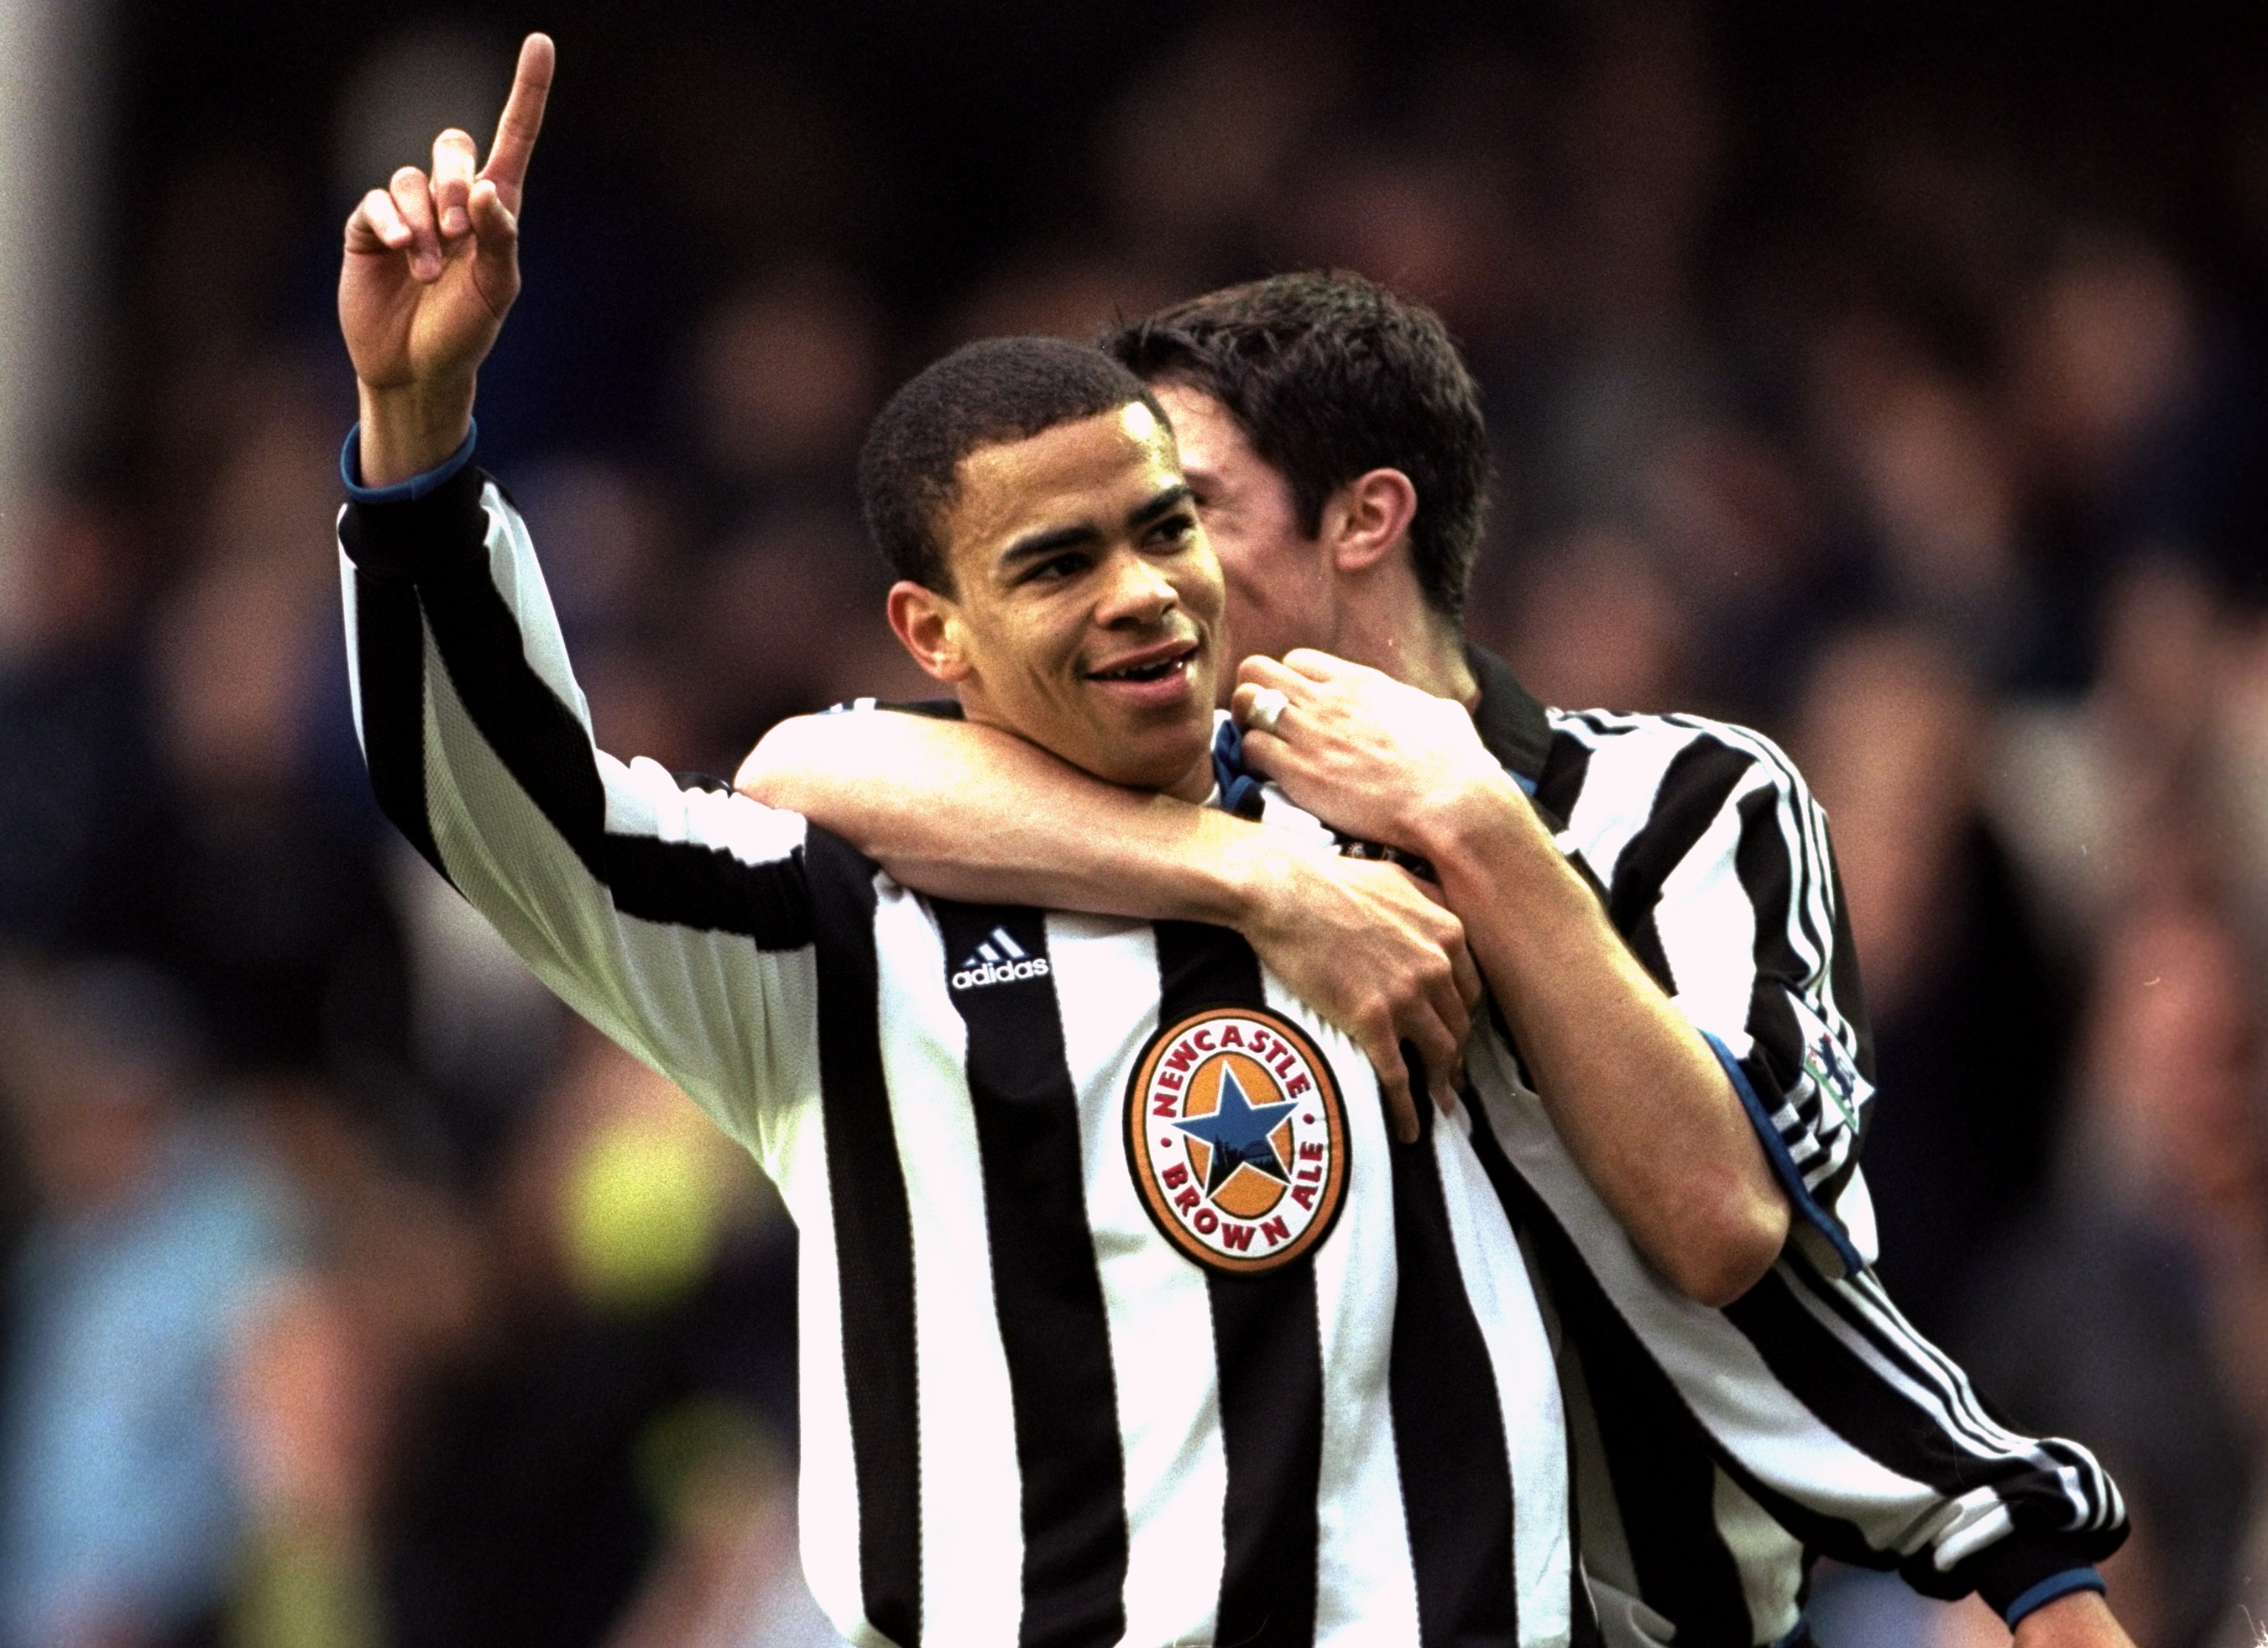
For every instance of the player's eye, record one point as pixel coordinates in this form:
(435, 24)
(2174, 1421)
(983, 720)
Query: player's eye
(1056, 569)
(1175, 530)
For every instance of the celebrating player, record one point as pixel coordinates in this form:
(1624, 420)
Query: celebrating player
(1121, 1319)
(1335, 442)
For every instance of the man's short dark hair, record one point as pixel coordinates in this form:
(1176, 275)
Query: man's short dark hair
(983, 394)
(1332, 376)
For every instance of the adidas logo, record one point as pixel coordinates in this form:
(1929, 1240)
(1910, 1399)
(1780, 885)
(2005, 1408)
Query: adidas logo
(998, 959)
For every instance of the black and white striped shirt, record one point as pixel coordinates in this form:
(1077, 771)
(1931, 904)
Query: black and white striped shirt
(1036, 1408)
(1718, 1451)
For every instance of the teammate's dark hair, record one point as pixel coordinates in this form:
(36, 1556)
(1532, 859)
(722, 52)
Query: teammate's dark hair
(1332, 376)
(982, 395)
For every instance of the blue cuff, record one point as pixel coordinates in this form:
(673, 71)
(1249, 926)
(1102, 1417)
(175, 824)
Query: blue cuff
(407, 491)
(1783, 1163)
(2053, 1586)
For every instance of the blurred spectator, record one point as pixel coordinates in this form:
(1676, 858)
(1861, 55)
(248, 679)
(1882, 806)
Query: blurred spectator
(1060, 291)
(789, 618)
(2133, 1311)
(787, 372)
(75, 737)
(267, 902)
(1936, 493)
(611, 542)
(1593, 624)
(1785, 329)
(1970, 1025)
(156, 1224)
(333, 1370)
(1196, 149)
(643, 1270)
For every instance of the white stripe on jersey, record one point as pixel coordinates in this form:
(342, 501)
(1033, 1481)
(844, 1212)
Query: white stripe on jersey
(1705, 921)
(1770, 1558)
(1161, 1320)
(1520, 1355)
(971, 1506)
(1366, 1591)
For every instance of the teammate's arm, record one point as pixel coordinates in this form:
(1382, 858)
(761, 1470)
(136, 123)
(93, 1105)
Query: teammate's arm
(2080, 1619)
(969, 811)
(1633, 1088)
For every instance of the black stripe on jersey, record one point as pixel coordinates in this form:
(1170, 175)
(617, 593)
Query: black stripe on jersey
(1047, 1291)
(544, 747)
(1816, 870)
(873, 1241)
(1268, 1344)
(1850, 995)
(1692, 793)
(1561, 784)
(1907, 1436)
(1448, 1426)
(1767, 876)
(1513, 726)
(390, 664)
(1659, 1459)
(1831, 1380)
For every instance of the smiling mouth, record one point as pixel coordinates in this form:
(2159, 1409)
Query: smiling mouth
(1152, 668)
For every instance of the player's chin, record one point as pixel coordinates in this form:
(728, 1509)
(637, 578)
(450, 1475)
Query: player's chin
(1154, 749)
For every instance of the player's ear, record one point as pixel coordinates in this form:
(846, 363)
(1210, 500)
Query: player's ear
(1365, 520)
(928, 625)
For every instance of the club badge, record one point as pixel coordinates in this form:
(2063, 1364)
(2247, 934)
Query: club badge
(1236, 1136)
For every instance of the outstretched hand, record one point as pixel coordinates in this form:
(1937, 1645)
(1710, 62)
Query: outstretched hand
(431, 267)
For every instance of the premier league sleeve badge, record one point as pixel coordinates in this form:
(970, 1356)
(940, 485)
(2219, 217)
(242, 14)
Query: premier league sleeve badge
(1236, 1136)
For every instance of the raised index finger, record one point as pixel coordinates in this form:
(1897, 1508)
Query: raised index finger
(521, 121)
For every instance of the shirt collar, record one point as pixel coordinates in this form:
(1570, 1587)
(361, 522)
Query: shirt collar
(1511, 721)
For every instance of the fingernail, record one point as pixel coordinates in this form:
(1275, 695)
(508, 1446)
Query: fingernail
(455, 221)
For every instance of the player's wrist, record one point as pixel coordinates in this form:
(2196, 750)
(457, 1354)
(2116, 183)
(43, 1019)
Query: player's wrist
(408, 429)
(1470, 817)
(1260, 883)
(2077, 1619)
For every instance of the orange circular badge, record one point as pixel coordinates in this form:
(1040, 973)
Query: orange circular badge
(1237, 1139)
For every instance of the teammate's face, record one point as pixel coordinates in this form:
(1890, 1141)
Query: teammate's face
(1085, 605)
(1281, 590)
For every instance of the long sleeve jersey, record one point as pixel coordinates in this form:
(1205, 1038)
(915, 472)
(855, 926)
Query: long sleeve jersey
(1718, 1451)
(1121, 1319)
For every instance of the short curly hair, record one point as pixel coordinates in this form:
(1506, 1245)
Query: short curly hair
(983, 394)
(1332, 375)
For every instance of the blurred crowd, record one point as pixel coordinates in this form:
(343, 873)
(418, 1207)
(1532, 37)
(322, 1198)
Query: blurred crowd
(356, 1295)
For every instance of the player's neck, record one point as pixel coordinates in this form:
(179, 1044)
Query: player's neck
(1393, 628)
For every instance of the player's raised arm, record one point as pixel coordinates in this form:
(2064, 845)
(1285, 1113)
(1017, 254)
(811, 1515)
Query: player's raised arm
(430, 268)
(675, 917)
(969, 811)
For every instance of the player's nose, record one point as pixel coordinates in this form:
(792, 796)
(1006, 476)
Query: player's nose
(1135, 591)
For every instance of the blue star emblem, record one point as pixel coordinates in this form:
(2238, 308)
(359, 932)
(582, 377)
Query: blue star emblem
(1238, 1132)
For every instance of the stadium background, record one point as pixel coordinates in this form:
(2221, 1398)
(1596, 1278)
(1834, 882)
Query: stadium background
(1894, 384)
